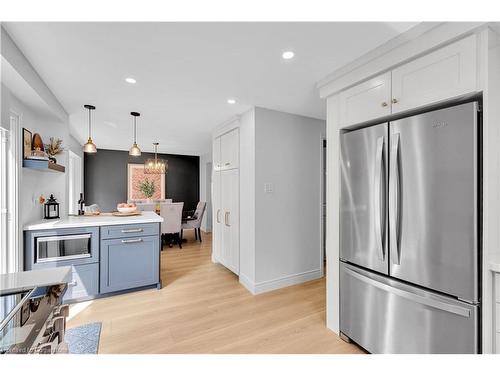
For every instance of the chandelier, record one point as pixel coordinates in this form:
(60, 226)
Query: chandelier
(155, 166)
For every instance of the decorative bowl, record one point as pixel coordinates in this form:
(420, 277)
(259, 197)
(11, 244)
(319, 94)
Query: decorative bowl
(126, 209)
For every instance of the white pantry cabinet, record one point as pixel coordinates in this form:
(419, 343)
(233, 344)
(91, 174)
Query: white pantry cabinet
(230, 254)
(216, 154)
(226, 201)
(229, 149)
(366, 101)
(446, 73)
(216, 212)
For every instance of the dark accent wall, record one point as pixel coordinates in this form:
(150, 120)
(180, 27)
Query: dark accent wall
(105, 178)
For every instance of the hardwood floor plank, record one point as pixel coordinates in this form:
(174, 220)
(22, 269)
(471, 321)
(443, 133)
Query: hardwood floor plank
(202, 308)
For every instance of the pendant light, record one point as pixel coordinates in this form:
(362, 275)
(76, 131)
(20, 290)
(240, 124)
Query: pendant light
(155, 166)
(135, 150)
(89, 147)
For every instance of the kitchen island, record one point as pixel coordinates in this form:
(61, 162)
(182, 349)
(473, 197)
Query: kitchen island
(108, 254)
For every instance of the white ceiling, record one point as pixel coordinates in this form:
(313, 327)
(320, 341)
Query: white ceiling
(185, 72)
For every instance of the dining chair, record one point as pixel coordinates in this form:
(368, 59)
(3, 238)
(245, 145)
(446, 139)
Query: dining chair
(172, 221)
(195, 221)
(146, 206)
(136, 201)
(159, 201)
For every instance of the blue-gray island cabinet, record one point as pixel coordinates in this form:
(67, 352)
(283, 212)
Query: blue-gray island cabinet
(107, 254)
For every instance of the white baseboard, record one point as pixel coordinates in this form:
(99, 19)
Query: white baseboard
(247, 283)
(282, 282)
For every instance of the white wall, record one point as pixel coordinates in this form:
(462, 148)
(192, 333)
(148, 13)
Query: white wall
(205, 191)
(25, 94)
(247, 198)
(288, 219)
(280, 231)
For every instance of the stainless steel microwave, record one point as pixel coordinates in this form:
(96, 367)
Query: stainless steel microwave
(63, 247)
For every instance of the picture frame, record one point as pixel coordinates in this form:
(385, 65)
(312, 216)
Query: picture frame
(27, 143)
(136, 174)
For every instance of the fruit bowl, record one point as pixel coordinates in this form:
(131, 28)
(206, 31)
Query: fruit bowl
(126, 208)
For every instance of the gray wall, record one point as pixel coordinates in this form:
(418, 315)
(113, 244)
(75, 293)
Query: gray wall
(105, 178)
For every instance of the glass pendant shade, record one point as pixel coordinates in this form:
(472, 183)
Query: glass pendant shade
(90, 147)
(135, 150)
(155, 166)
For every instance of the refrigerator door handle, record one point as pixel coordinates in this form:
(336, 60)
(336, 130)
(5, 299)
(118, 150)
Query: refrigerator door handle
(378, 201)
(448, 307)
(394, 200)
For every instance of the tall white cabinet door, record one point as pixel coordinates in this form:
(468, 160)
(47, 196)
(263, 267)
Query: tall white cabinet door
(230, 149)
(366, 101)
(217, 213)
(230, 220)
(216, 154)
(446, 73)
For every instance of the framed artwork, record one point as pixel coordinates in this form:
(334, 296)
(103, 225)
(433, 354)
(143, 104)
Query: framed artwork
(27, 142)
(136, 175)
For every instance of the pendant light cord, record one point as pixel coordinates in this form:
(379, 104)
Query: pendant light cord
(135, 130)
(90, 127)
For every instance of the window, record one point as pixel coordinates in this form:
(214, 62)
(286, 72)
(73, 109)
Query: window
(75, 182)
(9, 185)
(4, 222)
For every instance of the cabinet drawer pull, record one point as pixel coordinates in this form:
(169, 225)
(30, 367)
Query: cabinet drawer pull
(135, 240)
(394, 100)
(384, 104)
(227, 164)
(226, 219)
(138, 230)
(218, 212)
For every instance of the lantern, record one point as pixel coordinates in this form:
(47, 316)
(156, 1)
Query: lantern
(51, 208)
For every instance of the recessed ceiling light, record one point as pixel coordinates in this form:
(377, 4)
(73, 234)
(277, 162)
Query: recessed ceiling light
(231, 101)
(287, 55)
(130, 80)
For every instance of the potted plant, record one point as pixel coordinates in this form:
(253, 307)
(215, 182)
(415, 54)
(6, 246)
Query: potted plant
(147, 188)
(53, 148)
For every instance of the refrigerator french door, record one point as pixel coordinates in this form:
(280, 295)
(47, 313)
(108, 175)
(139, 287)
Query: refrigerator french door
(409, 218)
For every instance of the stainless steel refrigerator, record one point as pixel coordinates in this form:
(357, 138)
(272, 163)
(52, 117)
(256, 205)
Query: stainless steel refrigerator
(409, 233)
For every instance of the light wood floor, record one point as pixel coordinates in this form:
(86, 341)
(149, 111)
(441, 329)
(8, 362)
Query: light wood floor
(202, 308)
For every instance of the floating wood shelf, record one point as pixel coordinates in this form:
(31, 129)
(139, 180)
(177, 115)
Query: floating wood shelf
(43, 165)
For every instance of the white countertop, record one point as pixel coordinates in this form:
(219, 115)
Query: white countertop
(23, 281)
(94, 221)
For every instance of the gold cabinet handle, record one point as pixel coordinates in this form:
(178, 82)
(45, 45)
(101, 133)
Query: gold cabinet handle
(394, 100)
(384, 104)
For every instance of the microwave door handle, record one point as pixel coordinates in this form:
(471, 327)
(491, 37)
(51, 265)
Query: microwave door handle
(378, 199)
(394, 199)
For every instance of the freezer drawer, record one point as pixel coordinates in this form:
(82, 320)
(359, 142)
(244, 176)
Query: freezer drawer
(386, 316)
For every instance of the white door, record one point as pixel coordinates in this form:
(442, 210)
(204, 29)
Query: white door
(216, 155)
(230, 220)
(217, 217)
(446, 73)
(75, 186)
(367, 101)
(229, 146)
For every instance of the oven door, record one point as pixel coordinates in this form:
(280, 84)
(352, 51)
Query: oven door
(63, 247)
